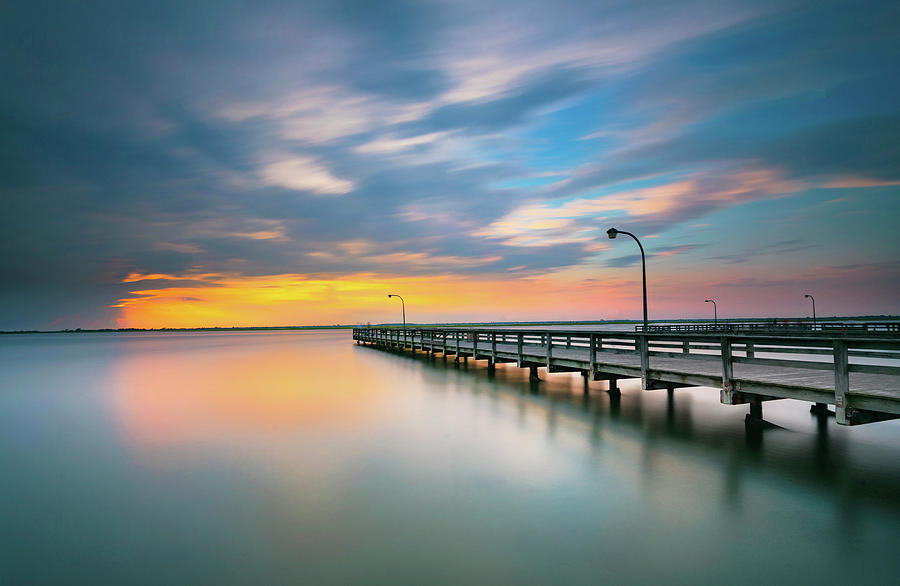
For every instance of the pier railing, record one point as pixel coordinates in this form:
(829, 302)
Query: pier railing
(777, 327)
(772, 365)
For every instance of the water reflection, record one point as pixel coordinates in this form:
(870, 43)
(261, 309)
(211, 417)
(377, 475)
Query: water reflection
(818, 456)
(187, 394)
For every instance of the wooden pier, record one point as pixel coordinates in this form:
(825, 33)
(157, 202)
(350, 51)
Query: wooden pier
(857, 372)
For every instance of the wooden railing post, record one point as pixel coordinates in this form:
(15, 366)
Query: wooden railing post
(749, 350)
(519, 343)
(644, 345)
(727, 396)
(494, 345)
(549, 349)
(842, 411)
(592, 357)
(474, 345)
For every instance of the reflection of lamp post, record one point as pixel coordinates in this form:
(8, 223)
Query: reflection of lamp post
(715, 311)
(612, 233)
(813, 299)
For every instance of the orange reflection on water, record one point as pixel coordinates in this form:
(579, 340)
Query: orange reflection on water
(194, 395)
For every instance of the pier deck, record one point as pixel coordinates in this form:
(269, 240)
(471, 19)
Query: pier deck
(858, 374)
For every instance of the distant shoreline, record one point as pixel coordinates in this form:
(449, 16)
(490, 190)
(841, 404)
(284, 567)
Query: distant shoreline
(453, 324)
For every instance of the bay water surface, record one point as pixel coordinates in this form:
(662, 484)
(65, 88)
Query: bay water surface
(301, 457)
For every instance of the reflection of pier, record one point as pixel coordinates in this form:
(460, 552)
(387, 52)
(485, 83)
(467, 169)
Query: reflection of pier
(829, 368)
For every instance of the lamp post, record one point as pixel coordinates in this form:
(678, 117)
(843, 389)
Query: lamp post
(403, 306)
(715, 312)
(813, 299)
(612, 233)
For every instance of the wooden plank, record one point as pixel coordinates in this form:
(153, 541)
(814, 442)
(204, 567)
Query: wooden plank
(784, 363)
(680, 355)
(874, 369)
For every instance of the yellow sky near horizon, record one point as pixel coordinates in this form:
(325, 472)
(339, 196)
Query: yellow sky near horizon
(294, 299)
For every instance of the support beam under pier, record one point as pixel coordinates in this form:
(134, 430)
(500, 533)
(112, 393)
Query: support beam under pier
(755, 417)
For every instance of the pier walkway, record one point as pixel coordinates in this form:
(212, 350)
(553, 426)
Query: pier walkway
(857, 372)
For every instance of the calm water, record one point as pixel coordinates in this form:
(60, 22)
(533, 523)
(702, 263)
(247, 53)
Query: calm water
(246, 458)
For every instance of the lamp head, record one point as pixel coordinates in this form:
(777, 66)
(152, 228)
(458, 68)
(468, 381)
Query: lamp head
(612, 233)
(807, 296)
(708, 301)
(389, 295)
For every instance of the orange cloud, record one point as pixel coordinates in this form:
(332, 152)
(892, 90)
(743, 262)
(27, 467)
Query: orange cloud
(135, 277)
(261, 235)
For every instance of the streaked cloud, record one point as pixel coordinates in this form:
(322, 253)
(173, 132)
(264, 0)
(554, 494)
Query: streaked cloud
(575, 220)
(340, 144)
(302, 173)
(393, 144)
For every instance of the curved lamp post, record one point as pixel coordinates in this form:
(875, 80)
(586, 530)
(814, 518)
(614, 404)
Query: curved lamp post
(715, 311)
(402, 305)
(813, 299)
(612, 233)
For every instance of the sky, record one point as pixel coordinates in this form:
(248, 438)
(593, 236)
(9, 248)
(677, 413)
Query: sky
(184, 164)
